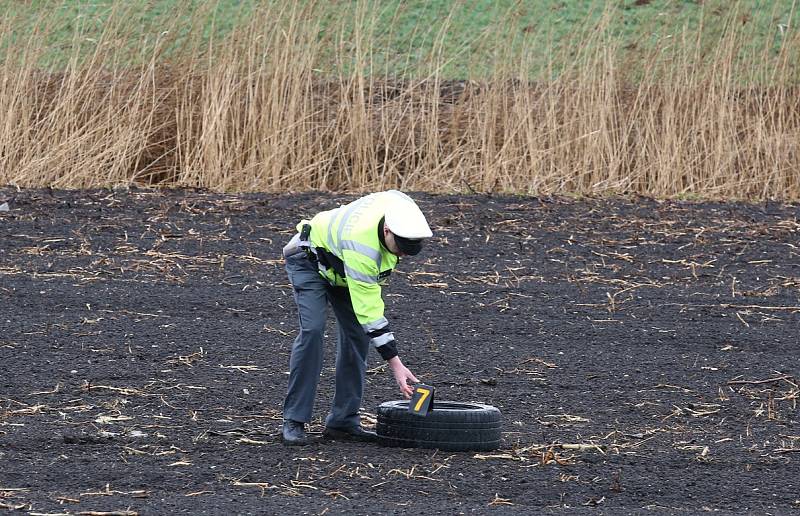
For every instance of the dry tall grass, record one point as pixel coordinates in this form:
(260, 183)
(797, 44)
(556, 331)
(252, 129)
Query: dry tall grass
(254, 112)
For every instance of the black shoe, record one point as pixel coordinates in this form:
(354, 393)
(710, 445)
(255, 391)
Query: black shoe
(294, 433)
(353, 433)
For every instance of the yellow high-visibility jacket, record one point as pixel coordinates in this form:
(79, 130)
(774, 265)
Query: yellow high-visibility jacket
(348, 247)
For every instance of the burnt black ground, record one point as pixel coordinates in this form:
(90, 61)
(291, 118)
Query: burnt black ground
(145, 335)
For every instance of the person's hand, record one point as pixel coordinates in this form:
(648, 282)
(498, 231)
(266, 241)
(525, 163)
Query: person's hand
(402, 376)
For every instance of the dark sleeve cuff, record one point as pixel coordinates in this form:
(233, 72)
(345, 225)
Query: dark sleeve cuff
(388, 351)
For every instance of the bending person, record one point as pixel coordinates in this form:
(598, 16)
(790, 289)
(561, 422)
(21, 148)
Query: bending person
(342, 257)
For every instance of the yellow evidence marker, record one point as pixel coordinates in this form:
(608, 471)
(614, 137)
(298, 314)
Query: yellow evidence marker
(422, 400)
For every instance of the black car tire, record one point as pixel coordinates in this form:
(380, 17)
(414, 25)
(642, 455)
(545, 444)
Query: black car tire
(450, 426)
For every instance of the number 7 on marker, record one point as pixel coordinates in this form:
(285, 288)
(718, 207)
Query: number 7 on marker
(425, 393)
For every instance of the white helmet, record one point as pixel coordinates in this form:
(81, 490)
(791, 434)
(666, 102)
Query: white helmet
(404, 218)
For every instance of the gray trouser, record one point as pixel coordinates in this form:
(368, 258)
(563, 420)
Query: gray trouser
(312, 293)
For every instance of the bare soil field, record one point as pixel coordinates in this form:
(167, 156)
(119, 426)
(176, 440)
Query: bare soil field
(644, 355)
